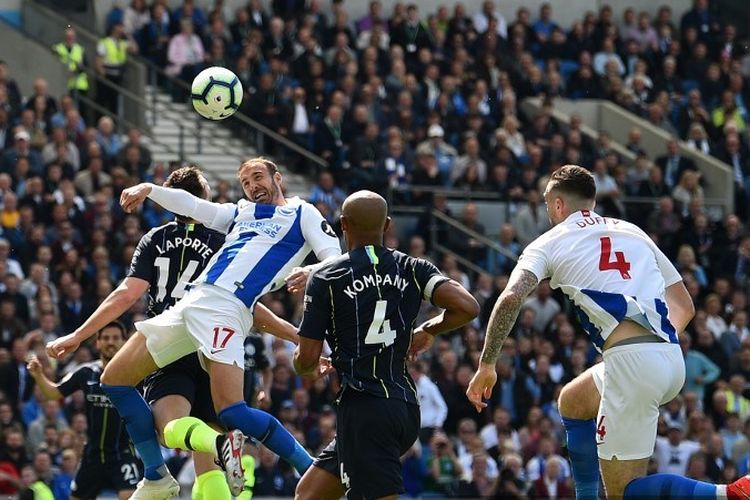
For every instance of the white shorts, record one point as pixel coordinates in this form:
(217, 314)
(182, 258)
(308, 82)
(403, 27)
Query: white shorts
(634, 381)
(208, 319)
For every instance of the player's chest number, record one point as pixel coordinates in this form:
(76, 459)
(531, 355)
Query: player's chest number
(162, 265)
(380, 331)
(619, 264)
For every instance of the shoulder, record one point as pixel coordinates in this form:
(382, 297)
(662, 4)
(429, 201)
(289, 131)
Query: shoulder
(88, 368)
(333, 269)
(154, 232)
(413, 262)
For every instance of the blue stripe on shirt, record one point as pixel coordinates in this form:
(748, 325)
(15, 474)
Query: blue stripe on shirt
(264, 211)
(234, 218)
(228, 254)
(594, 333)
(269, 265)
(666, 325)
(613, 303)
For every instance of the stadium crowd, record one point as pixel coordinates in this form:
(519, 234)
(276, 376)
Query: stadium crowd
(410, 99)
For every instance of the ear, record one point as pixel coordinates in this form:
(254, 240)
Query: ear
(277, 177)
(387, 224)
(344, 223)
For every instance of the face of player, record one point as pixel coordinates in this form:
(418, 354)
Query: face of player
(260, 186)
(109, 342)
(555, 206)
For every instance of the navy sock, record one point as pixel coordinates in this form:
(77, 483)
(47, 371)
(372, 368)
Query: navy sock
(584, 460)
(668, 486)
(269, 431)
(139, 421)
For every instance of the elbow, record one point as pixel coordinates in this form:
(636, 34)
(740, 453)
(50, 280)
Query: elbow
(690, 310)
(470, 308)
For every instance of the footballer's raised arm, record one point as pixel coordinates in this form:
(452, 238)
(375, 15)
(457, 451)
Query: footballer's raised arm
(217, 216)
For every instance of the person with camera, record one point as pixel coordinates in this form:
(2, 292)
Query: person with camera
(444, 468)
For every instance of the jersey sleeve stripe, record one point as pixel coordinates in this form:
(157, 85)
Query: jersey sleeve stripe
(431, 285)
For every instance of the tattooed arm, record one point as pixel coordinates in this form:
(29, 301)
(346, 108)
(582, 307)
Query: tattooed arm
(504, 314)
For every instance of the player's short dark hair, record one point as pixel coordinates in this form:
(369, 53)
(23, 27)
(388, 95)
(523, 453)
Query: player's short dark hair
(270, 166)
(188, 179)
(114, 324)
(574, 180)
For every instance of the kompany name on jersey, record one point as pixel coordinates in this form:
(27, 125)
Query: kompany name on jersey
(371, 280)
(199, 246)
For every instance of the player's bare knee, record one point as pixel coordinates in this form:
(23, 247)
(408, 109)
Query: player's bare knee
(568, 404)
(112, 375)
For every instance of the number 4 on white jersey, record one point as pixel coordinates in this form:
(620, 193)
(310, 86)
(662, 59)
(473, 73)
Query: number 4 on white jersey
(380, 329)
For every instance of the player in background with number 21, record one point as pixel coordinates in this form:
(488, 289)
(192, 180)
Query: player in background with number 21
(632, 303)
(268, 237)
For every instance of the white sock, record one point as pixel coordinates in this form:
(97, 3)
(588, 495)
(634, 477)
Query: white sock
(721, 492)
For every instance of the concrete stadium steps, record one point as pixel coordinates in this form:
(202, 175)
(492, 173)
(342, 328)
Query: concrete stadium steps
(220, 152)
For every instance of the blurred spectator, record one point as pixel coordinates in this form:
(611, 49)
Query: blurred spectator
(532, 219)
(469, 248)
(112, 55)
(550, 485)
(327, 198)
(444, 467)
(270, 477)
(14, 377)
(21, 149)
(432, 406)
(700, 371)
(672, 453)
(185, 56)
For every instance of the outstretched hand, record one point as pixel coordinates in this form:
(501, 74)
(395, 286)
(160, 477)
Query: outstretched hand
(421, 341)
(132, 197)
(481, 386)
(297, 279)
(63, 346)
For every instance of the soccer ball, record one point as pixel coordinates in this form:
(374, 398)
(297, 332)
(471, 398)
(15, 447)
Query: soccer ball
(216, 93)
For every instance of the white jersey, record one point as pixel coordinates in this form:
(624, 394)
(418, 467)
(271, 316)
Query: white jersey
(263, 244)
(611, 271)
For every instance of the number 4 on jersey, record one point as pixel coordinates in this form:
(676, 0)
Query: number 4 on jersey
(380, 329)
(619, 264)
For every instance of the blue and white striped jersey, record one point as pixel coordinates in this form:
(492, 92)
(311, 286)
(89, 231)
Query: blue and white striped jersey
(263, 243)
(611, 271)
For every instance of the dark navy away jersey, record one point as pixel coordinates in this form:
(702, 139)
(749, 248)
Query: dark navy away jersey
(107, 438)
(365, 304)
(170, 257)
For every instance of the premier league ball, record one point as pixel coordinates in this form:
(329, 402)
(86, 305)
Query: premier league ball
(216, 93)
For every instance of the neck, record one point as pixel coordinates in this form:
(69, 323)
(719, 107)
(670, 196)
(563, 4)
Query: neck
(363, 240)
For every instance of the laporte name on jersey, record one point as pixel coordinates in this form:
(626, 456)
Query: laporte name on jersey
(196, 244)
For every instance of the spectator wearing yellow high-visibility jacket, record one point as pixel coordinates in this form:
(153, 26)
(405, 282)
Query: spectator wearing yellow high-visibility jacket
(111, 59)
(72, 55)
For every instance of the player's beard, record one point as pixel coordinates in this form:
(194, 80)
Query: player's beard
(108, 353)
